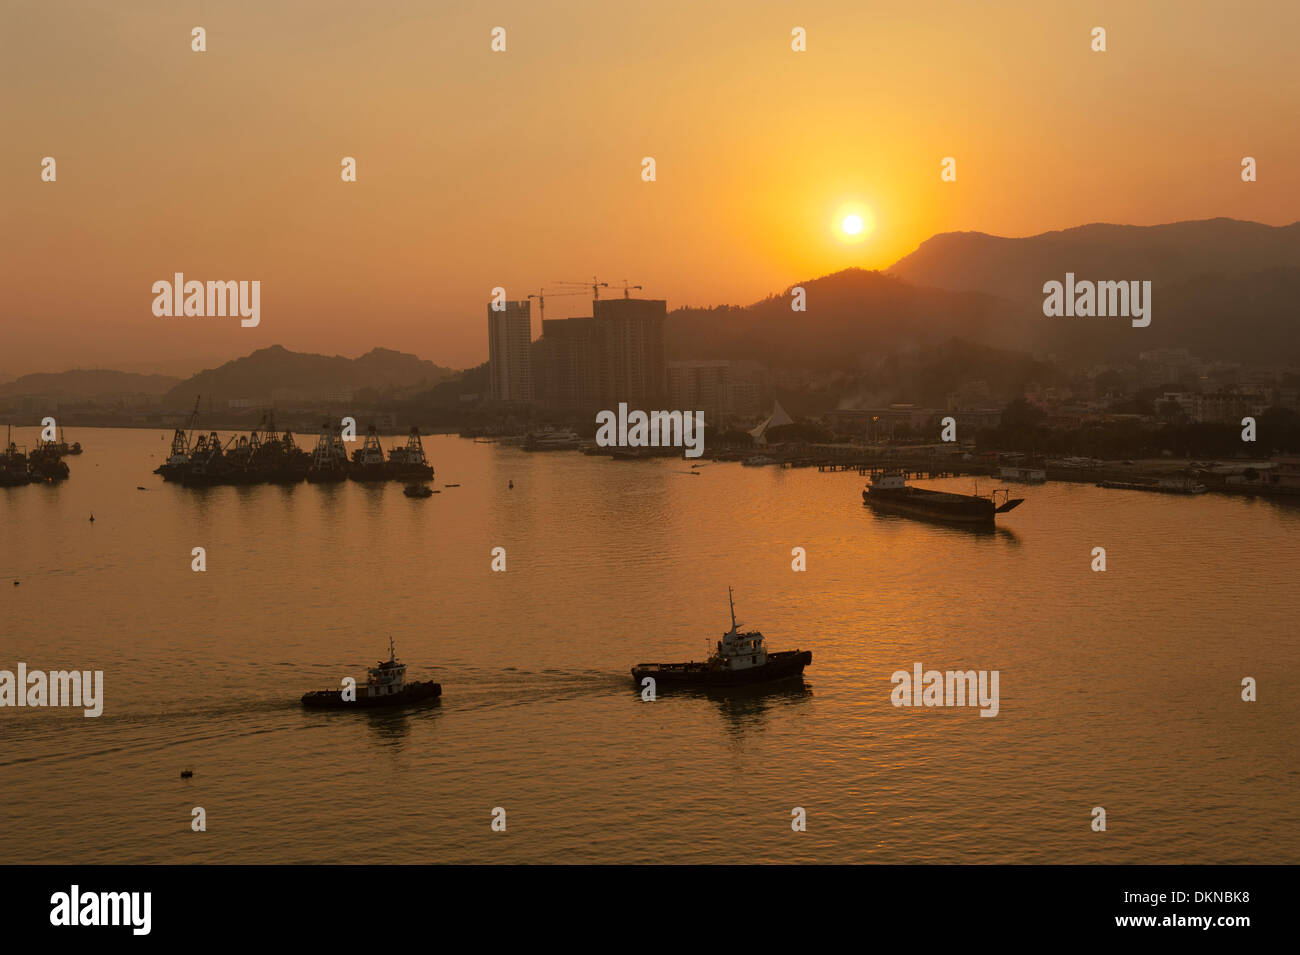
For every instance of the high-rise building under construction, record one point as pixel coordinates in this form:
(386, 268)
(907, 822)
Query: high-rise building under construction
(510, 357)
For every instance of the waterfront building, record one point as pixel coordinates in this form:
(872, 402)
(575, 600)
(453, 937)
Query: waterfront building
(616, 355)
(510, 355)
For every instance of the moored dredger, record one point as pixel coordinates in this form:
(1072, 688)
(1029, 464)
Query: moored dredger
(13, 465)
(262, 456)
(738, 658)
(368, 460)
(267, 456)
(385, 686)
(409, 461)
(329, 463)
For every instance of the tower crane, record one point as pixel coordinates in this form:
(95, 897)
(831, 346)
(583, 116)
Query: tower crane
(541, 295)
(595, 285)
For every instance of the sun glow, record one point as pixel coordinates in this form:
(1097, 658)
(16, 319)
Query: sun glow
(852, 222)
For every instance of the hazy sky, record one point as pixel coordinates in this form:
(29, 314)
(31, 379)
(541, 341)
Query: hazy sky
(478, 169)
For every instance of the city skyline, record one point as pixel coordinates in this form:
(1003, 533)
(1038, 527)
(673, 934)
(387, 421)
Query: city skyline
(183, 165)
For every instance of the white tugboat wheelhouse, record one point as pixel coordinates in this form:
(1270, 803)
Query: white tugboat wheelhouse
(388, 677)
(737, 650)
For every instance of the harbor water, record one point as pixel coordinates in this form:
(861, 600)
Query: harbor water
(1119, 689)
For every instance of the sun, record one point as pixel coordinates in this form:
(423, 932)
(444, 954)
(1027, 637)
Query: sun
(852, 222)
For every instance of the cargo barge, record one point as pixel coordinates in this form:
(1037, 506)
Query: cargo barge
(889, 492)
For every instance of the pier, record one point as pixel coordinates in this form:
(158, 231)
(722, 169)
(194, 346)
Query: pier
(833, 458)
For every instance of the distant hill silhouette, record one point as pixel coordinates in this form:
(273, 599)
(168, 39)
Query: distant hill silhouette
(1016, 269)
(277, 370)
(853, 319)
(927, 376)
(1249, 317)
(88, 383)
(1222, 288)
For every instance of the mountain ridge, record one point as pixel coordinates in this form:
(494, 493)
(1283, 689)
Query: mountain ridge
(275, 368)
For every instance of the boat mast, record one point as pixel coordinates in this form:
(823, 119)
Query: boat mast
(732, 600)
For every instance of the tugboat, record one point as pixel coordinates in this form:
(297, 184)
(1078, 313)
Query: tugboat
(890, 492)
(385, 686)
(739, 658)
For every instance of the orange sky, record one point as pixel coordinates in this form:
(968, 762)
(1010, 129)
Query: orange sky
(479, 169)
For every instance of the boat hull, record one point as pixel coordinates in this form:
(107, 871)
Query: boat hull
(933, 505)
(333, 699)
(1154, 488)
(784, 665)
(326, 477)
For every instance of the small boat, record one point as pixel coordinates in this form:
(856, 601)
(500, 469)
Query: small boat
(1024, 475)
(385, 686)
(418, 490)
(61, 447)
(739, 658)
(560, 440)
(1158, 486)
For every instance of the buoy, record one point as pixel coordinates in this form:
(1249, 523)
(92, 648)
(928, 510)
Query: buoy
(186, 773)
(16, 583)
(512, 483)
(92, 518)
